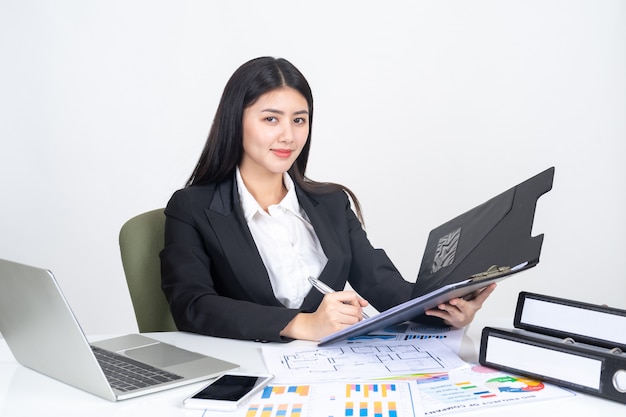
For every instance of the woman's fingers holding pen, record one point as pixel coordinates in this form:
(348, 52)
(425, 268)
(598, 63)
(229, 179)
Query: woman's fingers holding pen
(351, 298)
(337, 311)
(345, 307)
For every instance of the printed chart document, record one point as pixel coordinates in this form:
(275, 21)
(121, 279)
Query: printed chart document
(475, 387)
(451, 337)
(309, 362)
(364, 398)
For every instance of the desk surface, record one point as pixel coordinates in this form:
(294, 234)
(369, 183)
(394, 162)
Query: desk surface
(26, 393)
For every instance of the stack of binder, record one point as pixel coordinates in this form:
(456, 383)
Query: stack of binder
(569, 343)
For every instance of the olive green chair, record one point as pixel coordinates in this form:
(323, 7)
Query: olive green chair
(141, 240)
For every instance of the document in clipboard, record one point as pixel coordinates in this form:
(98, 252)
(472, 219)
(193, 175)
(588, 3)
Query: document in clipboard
(417, 306)
(486, 244)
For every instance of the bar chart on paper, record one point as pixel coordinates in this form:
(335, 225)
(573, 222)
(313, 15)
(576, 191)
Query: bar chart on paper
(376, 400)
(337, 399)
(280, 400)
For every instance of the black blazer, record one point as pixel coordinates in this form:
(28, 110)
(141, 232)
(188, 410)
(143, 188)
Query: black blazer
(215, 280)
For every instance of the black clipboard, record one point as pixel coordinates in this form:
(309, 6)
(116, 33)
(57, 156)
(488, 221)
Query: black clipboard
(496, 232)
(460, 254)
(417, 306)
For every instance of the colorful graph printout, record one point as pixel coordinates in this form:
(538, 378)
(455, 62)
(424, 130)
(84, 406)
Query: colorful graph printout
(477, 386)
(337, 399)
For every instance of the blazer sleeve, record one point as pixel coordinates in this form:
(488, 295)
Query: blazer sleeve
(372, 274)
(190, 276)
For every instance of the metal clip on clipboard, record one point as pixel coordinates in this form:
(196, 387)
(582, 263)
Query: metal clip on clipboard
(495, 271)
(492, 272)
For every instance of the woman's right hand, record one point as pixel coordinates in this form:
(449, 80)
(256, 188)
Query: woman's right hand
(337, 311)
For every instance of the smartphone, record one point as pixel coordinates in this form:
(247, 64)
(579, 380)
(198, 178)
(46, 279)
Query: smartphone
(228, 391)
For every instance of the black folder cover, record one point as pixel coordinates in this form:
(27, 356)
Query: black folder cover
(459, 253)
(497, 232)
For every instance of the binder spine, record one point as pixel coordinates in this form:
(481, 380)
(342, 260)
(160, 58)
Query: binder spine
(590, 369)
(586, 323)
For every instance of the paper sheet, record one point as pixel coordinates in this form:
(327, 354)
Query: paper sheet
(475, 387)
(414, 331)
(365, 398)
(304, 363)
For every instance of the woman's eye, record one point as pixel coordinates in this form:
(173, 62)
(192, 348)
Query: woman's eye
(271, 119)
(299, 120)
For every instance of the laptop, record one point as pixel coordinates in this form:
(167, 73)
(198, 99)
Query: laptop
(43, 334)
(484, 245)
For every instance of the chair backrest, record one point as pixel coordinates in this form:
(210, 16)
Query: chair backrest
(141, 240)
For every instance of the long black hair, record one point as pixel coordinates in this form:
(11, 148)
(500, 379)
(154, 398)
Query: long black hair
(223, 149)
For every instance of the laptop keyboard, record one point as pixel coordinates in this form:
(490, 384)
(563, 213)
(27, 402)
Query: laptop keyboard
(126, 374)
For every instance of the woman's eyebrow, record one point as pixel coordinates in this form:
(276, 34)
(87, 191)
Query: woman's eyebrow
(270, 110)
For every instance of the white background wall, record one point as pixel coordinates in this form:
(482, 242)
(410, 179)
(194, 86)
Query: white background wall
(424, 108)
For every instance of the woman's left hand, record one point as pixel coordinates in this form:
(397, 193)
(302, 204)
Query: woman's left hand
(459, 312)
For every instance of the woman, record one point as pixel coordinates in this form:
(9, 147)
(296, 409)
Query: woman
(249, 228)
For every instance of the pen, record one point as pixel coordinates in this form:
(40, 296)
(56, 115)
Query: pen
(325, 289)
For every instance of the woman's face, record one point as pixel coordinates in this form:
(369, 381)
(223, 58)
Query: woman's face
(275, 129)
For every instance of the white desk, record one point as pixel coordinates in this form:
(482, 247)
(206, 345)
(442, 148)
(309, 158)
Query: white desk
(26, 393)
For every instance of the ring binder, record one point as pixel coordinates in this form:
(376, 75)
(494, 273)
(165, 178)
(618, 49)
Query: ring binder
(570, 343)
(559, 317)
(590, 369)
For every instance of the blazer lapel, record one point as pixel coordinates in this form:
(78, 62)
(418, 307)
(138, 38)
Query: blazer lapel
(226, 217)
(331, 274)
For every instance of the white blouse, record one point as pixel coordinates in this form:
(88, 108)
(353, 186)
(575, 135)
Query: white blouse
(286, 241)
